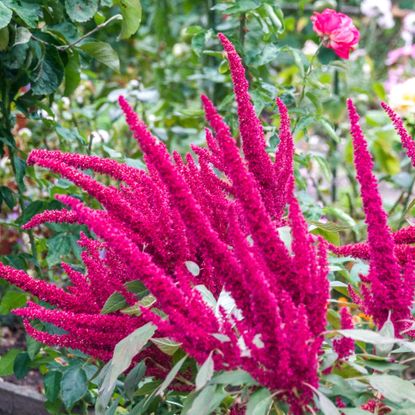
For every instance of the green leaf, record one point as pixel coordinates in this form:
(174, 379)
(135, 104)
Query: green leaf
(259, 402)
(193, 268)
(115, 302)
(33, 347)
(124, 353)
(103, 53)
(52, 382)
(166, 345)
(4, 38)
(49, 74)
(234, 378)
(7, 196)
(170, 377)
(367, 336)
(205, 373)
(22, 36)
(393, 388)
(74, 385)
(58, 247)
(326, 405)
(81, 10)
(11, 300)
(201, 404)
(387, 330)
(21, 365)
(28, 11)
(5, 15)
(72, 74)
(131, 12)
(20, 166)
(7, 362)
(133, 378)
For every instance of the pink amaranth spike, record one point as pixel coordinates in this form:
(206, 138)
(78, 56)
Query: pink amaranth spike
(386, 282)
(407, 141)
(251, 130)
(344, 347)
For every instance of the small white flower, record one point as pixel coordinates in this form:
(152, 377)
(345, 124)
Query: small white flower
(381, 10)
(25, 133)
(310, 47)
(402, 97)
(409, 23)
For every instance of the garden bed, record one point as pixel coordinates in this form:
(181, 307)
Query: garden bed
(20, 400)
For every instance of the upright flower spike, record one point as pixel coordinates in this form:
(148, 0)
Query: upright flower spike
(382, 293)
(250, 127)
(344, 347)
(407, 141)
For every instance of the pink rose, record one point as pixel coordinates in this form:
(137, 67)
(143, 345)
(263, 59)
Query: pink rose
(337, 31)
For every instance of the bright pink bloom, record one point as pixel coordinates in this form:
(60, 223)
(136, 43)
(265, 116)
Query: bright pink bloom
(389, 287)
(337, 31)
(344, 347)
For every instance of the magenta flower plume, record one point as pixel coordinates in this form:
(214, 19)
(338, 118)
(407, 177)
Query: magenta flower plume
(219, 210)
(344, 347)
(407, 141)
(388, 287)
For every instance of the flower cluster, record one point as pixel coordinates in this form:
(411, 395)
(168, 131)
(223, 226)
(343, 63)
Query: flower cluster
(221, 211)
(389, 286)
(337, 31)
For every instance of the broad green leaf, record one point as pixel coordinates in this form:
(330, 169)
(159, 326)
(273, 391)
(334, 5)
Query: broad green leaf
(7, 362)
(28, 11)
(131, 13)
(326, 405)
(103, 53)
(5, 15)
(58, 247)
(33, 347)
(12, 299)
(259, 402)
(234, 378)
(81, 10)
(205, 373)
(201, 404)
(393, 388)
(72, 74)
(49, 73)
(387, 330)
(166, 345)
(22, 36)
(133, 378)
(74, 385)
(367, 336)
(20, 166)
(356, 411)
(52, 382)
(115, 302)
(124, 353)
(4, 38)
(21, 365)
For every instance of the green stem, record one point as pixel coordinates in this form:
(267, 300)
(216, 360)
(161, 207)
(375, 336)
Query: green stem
(304, 84)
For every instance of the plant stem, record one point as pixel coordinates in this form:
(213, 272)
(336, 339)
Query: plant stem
(94, 30)
(242, 29)
(304, 84)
